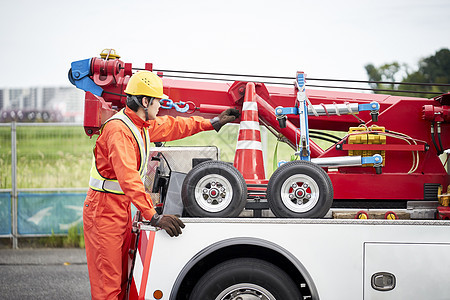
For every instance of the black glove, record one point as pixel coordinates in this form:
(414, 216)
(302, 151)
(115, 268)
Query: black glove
(228, 115)
(170, 223)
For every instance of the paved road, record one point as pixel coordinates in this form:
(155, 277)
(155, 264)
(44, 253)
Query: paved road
(43, 274)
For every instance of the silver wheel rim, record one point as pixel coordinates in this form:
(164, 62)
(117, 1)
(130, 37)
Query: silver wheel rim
(213, 193)
(300, 193)
(245, 291)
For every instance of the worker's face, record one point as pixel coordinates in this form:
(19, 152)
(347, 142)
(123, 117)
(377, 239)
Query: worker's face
(153, 108)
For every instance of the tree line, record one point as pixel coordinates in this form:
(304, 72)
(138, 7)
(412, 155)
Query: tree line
(395, 76)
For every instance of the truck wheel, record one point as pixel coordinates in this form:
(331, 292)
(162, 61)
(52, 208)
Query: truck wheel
(214, 189)
(245, 278)
(300, 189)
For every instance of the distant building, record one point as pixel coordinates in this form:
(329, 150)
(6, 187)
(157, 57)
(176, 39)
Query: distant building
(42, 104)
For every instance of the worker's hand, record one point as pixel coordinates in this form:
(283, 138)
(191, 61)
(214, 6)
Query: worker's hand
(170, 223)
(228, 115)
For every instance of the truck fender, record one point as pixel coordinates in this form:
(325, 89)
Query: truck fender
(255, 242)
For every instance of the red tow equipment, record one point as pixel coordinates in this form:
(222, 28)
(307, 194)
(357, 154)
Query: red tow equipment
(409, 133)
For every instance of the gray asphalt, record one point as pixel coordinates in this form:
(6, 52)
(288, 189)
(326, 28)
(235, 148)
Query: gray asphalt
(43, 274)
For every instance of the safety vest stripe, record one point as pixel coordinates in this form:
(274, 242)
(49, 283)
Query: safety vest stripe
(135, 131)
(249, 145)
(250, 106)
(105, 185)
(249, 125)
(101, 184)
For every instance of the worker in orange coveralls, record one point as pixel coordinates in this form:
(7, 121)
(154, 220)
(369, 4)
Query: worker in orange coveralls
(119, 167)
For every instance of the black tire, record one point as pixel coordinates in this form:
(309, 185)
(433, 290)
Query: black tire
(300, 189)
(214, 189)
(246, 277)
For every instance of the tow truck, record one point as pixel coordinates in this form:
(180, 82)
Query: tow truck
(388, 158)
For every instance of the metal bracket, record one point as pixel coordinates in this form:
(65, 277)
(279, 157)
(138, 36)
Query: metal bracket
(373, 107)
(303, 145)
(376, 160)
(79, 76)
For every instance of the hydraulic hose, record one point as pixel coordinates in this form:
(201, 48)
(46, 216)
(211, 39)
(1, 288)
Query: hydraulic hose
(320, 137)
(334, 137)
(439, 137)
(433, 138)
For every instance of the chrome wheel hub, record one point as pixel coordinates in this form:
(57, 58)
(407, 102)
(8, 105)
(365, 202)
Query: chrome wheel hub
(300, 193)
(245, 291)
(213, 193)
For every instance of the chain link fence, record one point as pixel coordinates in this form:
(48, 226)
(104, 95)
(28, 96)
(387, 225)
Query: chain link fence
(44, 169)
(44, 173)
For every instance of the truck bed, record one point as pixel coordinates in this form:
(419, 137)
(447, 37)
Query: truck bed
(337, 258)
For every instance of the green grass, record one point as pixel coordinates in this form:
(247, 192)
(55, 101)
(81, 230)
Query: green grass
(60, 157)
(73, 239)
(47, 157)
(5, 157)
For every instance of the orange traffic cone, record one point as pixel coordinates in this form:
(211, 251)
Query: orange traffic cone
(249, 156)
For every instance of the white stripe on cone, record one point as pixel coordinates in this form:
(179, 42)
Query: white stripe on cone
(249, 125)
(249, 145)
(250, 106)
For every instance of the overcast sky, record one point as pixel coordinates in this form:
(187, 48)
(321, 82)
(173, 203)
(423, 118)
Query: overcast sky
(325, 39)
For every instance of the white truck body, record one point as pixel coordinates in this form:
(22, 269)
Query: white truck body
(336, 258)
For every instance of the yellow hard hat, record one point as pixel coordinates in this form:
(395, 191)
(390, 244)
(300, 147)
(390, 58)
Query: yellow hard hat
(145, 83)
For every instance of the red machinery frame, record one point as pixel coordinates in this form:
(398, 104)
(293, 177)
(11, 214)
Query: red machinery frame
(413, 117)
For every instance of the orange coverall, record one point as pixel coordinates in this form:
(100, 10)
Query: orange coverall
(107, 216)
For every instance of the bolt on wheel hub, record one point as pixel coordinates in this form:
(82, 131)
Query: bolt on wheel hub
(299, 193)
